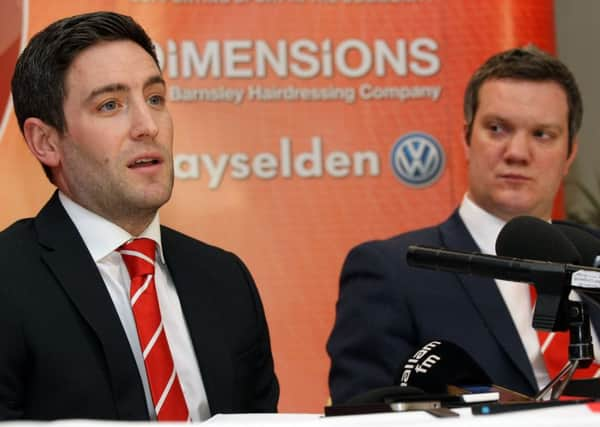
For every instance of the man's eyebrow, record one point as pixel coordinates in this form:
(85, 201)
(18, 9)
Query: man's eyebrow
(155, 80)
(113, 87)
(119, 87)
(494, 116)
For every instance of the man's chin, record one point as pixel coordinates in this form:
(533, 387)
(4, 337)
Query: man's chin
(515, 209)
(152, 198)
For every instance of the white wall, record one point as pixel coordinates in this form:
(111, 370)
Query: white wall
(578, 45)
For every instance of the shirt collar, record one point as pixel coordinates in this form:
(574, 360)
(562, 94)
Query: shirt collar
(482, 225)
(101, 236)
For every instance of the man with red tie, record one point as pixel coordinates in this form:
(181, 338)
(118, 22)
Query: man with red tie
(522, 112)
(104, 313)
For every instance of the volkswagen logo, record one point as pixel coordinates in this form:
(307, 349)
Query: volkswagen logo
(417, 159)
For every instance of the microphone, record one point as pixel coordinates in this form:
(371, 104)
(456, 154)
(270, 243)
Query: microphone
(499, 267)
(438, 364)
(432, 375)
(586, 242)
(532, 238)
(552, 280)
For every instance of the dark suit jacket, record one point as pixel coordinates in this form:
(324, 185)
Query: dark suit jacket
(63, 351)
(388, 310)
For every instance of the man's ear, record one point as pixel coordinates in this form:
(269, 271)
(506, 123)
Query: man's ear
(572, 155)
(466, 141)
(42, 140)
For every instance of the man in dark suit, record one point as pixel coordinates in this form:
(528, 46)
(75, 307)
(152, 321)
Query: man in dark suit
(90, 100)
(522, 113)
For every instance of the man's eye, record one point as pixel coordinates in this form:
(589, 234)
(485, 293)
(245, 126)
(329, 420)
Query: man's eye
(496, 128)
(541, 134)
(156, 100)
(108, 106)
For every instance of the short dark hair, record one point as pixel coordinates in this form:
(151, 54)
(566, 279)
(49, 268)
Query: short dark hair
(38, 83)
(526, 63)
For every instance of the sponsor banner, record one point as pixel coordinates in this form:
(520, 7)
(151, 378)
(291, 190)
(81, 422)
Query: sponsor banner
(13, 33)
(303, 127)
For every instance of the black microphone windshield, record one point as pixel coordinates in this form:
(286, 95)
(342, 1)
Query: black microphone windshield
(438, 364)
(532, 238)
(587, 243)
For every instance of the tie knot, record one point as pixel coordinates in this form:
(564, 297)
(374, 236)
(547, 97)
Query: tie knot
(138, 255)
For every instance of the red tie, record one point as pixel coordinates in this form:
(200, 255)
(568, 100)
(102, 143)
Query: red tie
(555, 349)
(165, 388)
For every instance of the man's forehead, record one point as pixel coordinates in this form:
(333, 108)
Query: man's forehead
(120, 62)
(517, 84)
(512, 96)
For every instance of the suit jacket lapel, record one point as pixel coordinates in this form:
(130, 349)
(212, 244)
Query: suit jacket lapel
(67, 257)
(487, 299)
(194, 280)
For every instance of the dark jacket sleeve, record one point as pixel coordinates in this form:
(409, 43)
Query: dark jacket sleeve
(374, 329)
(265, 389)
(12, 358)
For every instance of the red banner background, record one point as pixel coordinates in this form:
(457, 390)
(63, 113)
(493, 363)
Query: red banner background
(291, 216)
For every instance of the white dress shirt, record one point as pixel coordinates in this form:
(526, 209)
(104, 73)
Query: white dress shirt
(102, 238)
(484, 228)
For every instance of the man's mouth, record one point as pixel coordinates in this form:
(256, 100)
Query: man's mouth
(144, 162)
(514, 177)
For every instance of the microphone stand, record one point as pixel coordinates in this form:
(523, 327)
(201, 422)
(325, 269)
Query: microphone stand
(581, 350)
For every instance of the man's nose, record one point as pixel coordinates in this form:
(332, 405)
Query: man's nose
(518, 148)
(143, 122)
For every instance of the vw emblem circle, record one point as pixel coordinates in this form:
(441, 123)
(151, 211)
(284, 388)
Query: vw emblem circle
(418, 159)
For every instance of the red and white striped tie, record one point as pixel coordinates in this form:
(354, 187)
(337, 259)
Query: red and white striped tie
(167, 396)
(555, 349)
